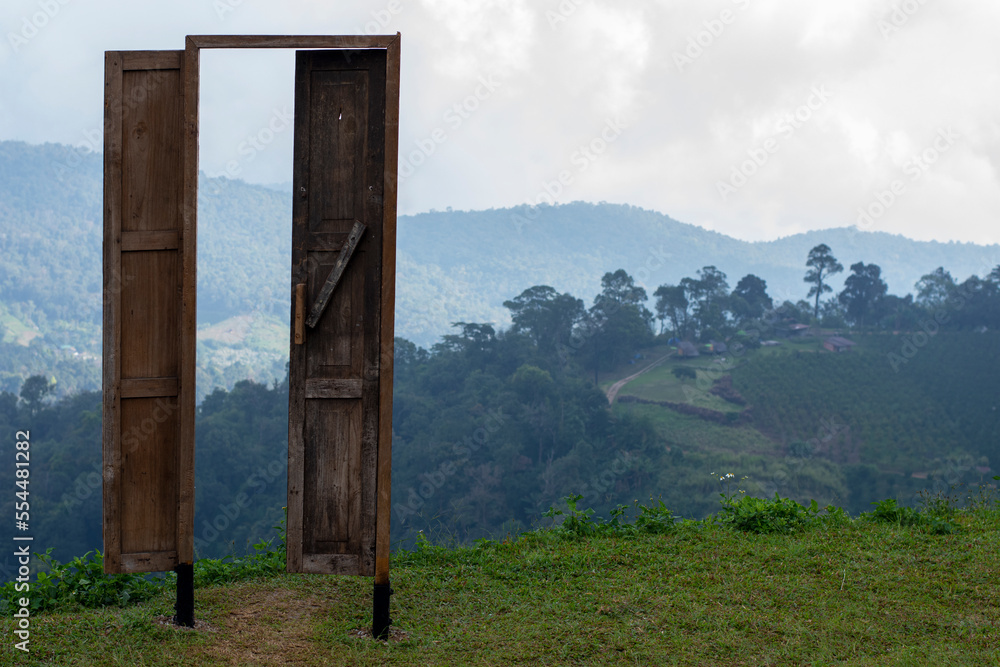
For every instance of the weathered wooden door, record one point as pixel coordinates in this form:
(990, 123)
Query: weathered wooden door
(337, 367)
(149, 315)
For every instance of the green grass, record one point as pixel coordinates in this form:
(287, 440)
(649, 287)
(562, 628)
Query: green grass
(660, 384)
(794, 344)
(870, 591)
(694, 433)
(650, 355)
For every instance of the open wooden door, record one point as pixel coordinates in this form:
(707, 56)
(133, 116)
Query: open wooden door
(149, 316)
(340, 377)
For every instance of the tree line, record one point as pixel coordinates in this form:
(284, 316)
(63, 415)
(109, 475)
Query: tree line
(492, 426)
(704, 308)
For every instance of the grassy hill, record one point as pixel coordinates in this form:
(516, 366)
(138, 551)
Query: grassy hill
(835, 591)
(841, 428)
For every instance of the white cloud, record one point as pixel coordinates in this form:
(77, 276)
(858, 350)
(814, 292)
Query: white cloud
(562, 80)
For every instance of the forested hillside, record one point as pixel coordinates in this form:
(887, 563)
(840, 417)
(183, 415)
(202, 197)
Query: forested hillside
(453, 265)
(493, 426)
(506, 412)
(241, 448)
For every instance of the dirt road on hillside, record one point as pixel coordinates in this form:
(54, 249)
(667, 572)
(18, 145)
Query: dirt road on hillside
(617, 386)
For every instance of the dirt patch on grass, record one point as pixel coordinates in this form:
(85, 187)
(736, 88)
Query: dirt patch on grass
(395, 634)
(264, 627)
(199, 625)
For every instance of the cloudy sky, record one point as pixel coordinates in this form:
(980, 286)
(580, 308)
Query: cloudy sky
(755, 118)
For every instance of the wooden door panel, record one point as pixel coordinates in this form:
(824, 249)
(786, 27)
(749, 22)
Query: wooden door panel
(152, 159)
(331, 513)
(148, 429)
(148, 477)
(334, 374)
(338, 146)
(150, 307)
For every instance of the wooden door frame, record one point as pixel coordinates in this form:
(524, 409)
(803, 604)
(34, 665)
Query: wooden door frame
(391, 44)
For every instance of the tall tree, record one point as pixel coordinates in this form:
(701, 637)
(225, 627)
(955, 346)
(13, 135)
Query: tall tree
(618, 322)
(672, 304)
(33, 392)
(994, 276)
(710, 296)
(619, 287)
(864, 293)
(822, 264)
(749, 299)
(934, 288)
(544, 315)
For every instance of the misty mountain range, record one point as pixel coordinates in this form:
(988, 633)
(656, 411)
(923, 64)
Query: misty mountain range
(452, 265)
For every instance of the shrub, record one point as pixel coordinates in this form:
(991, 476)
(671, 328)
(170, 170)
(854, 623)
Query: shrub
(655, 518)
(682, 372)
(933, 521)
(765, 515)
(81, 582)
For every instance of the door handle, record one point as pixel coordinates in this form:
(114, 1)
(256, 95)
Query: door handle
(300, 313)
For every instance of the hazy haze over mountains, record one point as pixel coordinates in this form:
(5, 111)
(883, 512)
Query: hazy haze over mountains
(452, 265)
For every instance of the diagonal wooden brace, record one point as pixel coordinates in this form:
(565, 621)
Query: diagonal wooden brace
(335, 273)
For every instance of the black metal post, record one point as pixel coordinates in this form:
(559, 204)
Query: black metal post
(380, 615)
(185, 595)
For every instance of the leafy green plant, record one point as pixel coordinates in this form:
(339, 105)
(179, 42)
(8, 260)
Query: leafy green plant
(78, 583)
(577, 521)
(889, 511)
(939, 504)
(652, 519)
(655, 518)
(765, 515)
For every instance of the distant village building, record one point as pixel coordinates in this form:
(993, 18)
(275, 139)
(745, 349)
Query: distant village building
(718, 347)
(686, 349)
(790, 329)
(838, 344)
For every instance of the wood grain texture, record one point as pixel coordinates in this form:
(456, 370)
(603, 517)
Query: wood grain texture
(148, 475)
(346, 564)
(330, 284)
(292, 41)
(387, 310)
(149, 387)
(111, 379)
(139, 241)
(334, 345)
(151, 60)
(334, 377)
(161, 561)
(144, 346)
(152, 150)
(333, 455)
(151, 306)
(190, 69)
(300, 314)
(297, 355)
(323, 388)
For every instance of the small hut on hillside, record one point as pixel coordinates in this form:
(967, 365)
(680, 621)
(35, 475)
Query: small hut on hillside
(686, 349)
(838, 344)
